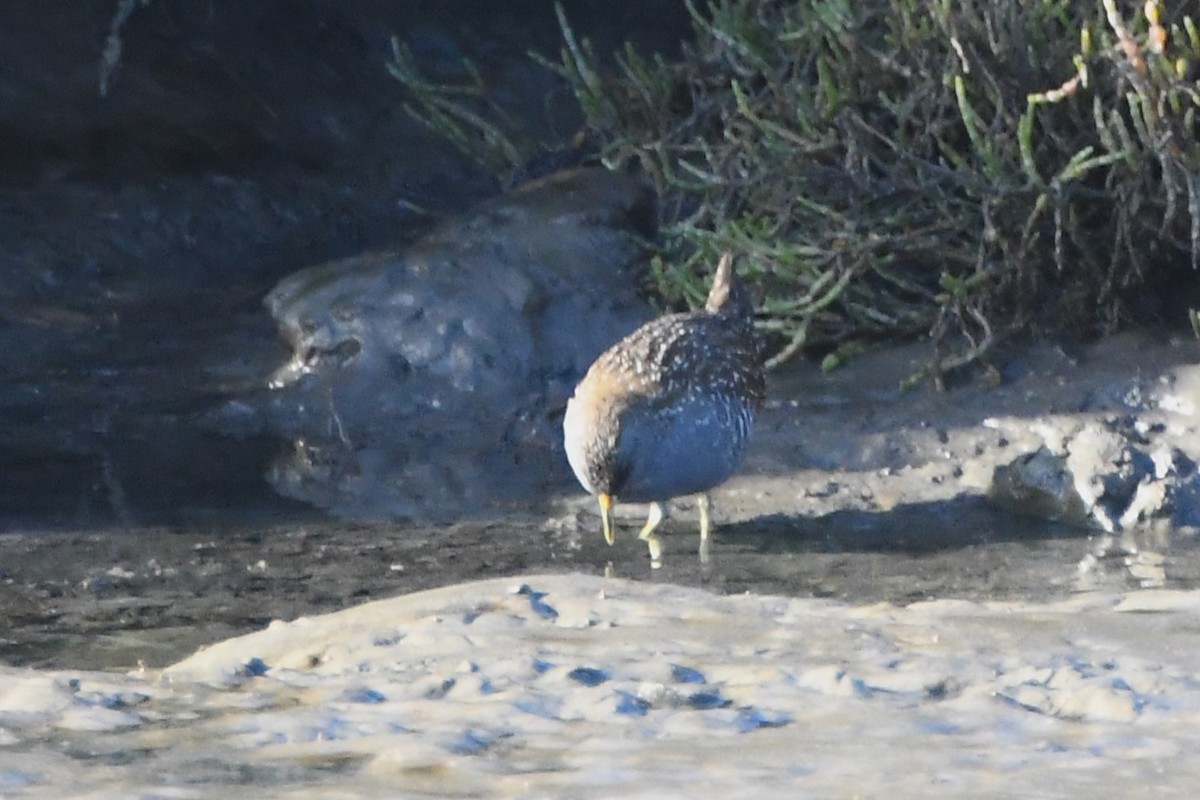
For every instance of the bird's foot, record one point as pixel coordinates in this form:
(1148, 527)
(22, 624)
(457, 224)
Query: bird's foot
(647, 535)
(705, 504)
(655, 545)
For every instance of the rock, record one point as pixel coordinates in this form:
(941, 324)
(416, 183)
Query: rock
(1110, 476)
(1148, 502)
(428, 383)
(1107, 467)
(1039, 484)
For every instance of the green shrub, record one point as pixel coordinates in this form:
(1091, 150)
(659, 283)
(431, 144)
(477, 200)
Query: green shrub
(966, 170)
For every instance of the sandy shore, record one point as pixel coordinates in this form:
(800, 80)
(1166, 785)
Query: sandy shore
(581, 686)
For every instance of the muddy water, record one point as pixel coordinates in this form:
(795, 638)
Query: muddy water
(119, 597)
(148, 534)
(163, 536)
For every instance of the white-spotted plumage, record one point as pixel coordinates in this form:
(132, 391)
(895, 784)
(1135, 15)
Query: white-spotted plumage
(668, 410)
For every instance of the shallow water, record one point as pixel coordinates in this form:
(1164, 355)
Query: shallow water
(116, 598)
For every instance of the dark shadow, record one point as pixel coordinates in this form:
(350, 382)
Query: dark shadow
(917, 528)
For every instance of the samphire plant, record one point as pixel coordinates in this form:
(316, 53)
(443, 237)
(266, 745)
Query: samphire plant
(962, 170)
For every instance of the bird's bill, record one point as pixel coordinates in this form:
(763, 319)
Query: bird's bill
(606, 517)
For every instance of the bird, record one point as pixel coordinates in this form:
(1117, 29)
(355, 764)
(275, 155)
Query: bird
(668, 411)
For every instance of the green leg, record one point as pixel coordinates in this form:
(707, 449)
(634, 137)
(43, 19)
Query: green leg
(657, 514)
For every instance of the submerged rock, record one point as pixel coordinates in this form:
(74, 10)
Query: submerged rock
(429, 382)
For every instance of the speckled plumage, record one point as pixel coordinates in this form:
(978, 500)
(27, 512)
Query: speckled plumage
(668, 410)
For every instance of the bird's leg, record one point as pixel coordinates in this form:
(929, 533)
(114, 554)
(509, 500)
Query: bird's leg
(657, 514)
(606, 517)
(705, 504)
